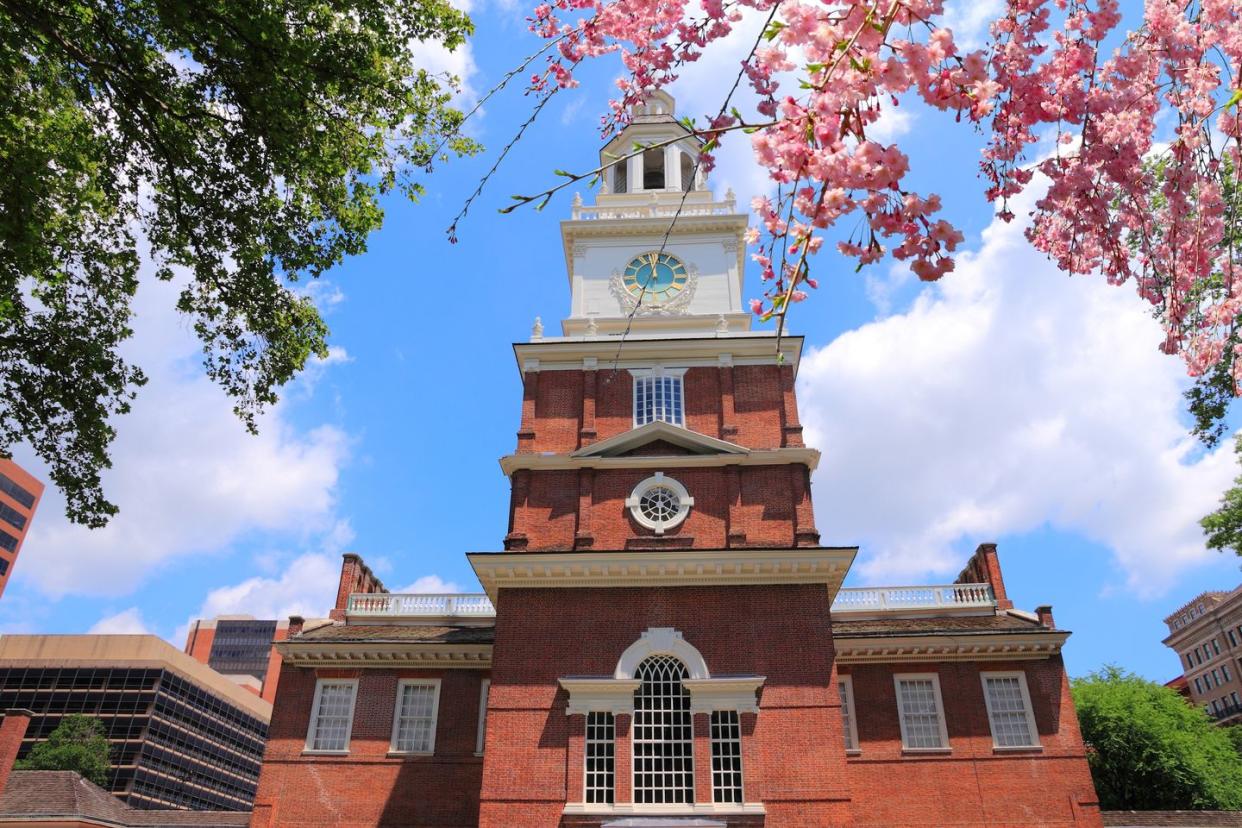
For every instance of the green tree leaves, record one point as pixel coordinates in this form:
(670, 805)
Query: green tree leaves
(1151, 750)
(246, 143)
(77, 744)
(1224, 526)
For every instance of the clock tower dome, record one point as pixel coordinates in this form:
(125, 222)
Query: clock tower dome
(656, 252)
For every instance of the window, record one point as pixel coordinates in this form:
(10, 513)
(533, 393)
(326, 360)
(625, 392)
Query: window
(663, 733)
(1215, 647)
(1215, 678)
(1198, 658)
(484, 688)
(1224, 671)
(414, 723)
(332, 717)
(1207, 681)
(7, 541)
(1189, 662)
(4, 566)
(1198, 686)
(1234, 698)
(1233, 639)
(658, 396)
(659, 503)
(687, 172)
(12, 517)
(726, 756)
(653, 169)
(620, 176)
(9, 486)
(920, 714)
(846, 685)
(1009, 710)
(1215, 706)
(600, 757)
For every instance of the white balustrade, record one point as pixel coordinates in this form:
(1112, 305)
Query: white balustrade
(907, 598)
(427, 605)
(663, 209)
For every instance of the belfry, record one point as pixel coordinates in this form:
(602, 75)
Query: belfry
(662, 639)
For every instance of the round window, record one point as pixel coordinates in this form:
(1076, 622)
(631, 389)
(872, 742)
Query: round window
(659, 503)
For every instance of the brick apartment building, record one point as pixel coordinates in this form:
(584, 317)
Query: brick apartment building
(20, 493)
(1206, 634)
(663, 641)
(241, 648)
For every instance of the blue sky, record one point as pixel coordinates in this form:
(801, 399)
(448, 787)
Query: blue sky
(1008, 403)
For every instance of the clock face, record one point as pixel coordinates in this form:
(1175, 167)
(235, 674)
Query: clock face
(655, 277)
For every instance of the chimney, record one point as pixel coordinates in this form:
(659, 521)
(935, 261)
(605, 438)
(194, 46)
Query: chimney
(356, 576)
(295, 625)
(984, 568)
(12, 731)
(1044, 614)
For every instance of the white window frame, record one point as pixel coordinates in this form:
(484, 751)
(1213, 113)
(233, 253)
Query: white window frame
(898, 678)
(311, 726)
(684, 503)
(847, 690)
(485, 687)
(396, 715)
(658, 371)
(1028, 709)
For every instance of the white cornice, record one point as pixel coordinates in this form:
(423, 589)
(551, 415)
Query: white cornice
(659, 430)
(727, 693)
(600, 695)
(568, 353)
(385, 654)
(990, 647)
(662, 567)
(808, 457)
(687, 225)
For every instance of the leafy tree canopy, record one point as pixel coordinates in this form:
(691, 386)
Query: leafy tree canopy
(1150, 750)
(246, 142)
(77, 744)
(1223, 527)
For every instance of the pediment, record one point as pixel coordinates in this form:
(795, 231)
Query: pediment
(659, 439)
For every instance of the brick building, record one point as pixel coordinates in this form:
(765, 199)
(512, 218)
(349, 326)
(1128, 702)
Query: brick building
(1206, 634)
(241, 648)
(663, 640)
(20, 493)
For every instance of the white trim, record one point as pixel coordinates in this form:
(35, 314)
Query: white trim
(599, 695)
(808, 457)
(674, 809)
(661, 641)
(407, 654)
(846, 684)
(934, 678)
(396, 716)
(662, 567)
(314, 716)
(735, 694)
(1020, 675)
(924, 648)
(695, 350)
(678, 435)
(485, 686)
(658, 480)
(656, 372)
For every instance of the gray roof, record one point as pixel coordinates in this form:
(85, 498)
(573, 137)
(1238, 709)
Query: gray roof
(66, 794)
(394, 633)
(1002, 623)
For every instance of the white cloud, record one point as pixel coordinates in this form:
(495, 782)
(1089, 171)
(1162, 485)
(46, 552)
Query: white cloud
(1007, 397)
(894, 122)
(125, 622)
(306, 587)
(431, 583)
(970, 21)
(187, 477)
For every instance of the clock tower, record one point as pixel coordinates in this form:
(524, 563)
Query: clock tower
(662, 600)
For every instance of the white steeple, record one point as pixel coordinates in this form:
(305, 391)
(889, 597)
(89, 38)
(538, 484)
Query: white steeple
(624, 259)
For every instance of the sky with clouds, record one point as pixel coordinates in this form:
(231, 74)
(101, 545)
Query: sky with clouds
(1007, 403)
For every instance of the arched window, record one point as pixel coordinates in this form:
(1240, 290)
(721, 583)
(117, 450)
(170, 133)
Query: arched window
(653, 169)
(663, 733)
(687, 172)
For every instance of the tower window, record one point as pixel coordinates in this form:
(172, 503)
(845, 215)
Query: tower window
(600, 757)
(726, 756)
(333, 716)
(687, 172)
(653, 169)
(621, 176)
(921, 712)
(1009, 710)
(658, 396)
(659, 503)
(663, 734)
